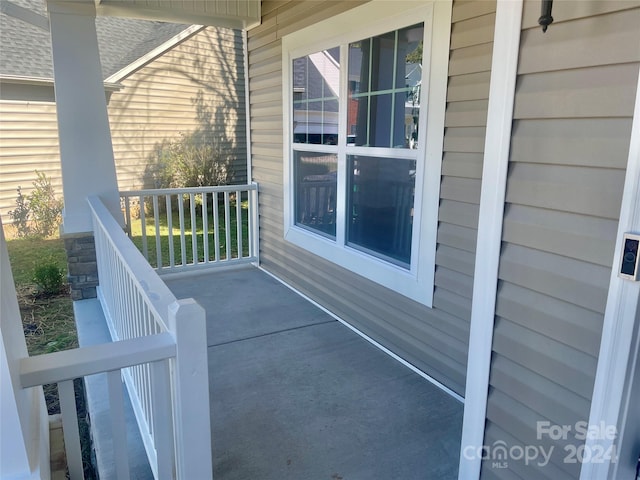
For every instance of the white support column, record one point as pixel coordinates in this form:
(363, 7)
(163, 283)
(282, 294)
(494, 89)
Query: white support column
(504, 65)
(187, 321)
(609, 408)
(86, 152)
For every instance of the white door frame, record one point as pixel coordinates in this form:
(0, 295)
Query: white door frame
(618, 347)
(504, 63)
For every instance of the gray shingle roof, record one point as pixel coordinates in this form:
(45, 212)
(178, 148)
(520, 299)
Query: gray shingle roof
(25, 45)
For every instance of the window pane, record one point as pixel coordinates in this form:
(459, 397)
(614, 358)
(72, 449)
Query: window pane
(380, 121)
(380, 206)
(385, 74)
(382, 61)
(316, 80)
(315, 191)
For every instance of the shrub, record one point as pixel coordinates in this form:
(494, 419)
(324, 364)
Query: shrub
(49, 278)
(39, 214)
(190, 161)
(46, 210)
(20, 216)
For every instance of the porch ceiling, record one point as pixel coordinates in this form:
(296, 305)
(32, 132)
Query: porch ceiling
(224, 13)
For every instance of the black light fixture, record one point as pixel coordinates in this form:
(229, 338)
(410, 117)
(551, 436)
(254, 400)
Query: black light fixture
(545, 16)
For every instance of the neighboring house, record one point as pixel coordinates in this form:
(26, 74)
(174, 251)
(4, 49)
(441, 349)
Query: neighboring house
(162, 80)
(499, 278)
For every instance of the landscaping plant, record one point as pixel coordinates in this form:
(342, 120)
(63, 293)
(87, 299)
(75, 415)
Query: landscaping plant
(39, 214)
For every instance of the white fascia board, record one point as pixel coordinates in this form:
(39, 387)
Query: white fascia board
(17, 79)
(48, 82)
(153, 54)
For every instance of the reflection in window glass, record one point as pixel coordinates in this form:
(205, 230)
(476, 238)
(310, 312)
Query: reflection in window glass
(315, 191)
(316, 87)
(380, 206)
(385, 74)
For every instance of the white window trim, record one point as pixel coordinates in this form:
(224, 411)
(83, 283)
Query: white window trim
(378, 17)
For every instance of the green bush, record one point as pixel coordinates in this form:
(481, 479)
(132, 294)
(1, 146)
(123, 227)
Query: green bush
(39, 214)
(190, 161)
(49, 278)
(20, 216)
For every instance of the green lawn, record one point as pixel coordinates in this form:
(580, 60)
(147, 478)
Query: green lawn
(47, 319)
(166, 240)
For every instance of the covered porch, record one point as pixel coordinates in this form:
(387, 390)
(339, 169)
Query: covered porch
(296, 394)
(209, 339)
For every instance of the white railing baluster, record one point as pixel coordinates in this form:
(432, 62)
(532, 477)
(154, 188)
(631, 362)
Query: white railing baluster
(227, 224)
(172, 259)
(216, 225)
(156, 220)
(183, 248)
(203, 254)
(67, 397)
(254, 233)
(205, 227)
(127, 215)
(118, 424)
(143, 227)
(162, 430)
(239, 223)
(194, 228)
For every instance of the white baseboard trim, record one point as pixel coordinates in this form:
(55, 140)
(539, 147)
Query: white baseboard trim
(427, 377)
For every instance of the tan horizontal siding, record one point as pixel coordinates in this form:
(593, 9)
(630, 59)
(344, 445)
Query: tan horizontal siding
(28, 142)
(435, 340)
(157, 103)
(161, 101)
(574, 98)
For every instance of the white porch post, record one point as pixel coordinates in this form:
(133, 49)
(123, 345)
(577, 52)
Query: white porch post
(85, 139)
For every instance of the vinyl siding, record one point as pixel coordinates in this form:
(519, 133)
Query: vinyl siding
(198, 85)
(157, 103)
(572, 123)
(434, 340)
(28, 142)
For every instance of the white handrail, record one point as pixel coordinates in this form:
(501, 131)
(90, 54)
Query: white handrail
(189, 190)
(81, 362)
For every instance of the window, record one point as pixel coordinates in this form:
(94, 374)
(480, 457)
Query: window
(363, 167)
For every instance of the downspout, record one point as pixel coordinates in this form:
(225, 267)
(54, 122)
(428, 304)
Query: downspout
(247, 103)
(254, 219)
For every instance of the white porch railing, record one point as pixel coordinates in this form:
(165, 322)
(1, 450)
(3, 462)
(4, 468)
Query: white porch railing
(63, 367)
(160, 351)
(137, 304)
(185, 229)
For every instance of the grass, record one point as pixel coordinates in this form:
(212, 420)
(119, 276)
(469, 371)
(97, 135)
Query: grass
(47, 320)
(166, 240)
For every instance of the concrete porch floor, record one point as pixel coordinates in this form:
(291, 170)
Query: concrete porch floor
(297, 395)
